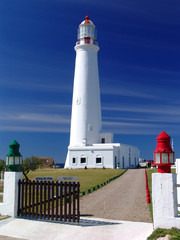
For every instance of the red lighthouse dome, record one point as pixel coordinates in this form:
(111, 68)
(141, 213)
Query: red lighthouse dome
(163, 155)
(87, 21)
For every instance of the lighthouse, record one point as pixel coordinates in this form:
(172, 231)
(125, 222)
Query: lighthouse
(89, 146)
(86, 110)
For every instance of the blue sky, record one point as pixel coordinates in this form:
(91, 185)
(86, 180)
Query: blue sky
(138, 70)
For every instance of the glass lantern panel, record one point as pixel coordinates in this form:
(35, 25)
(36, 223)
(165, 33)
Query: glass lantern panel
(78, 34)
(11, 160)
(171, 157)
(20, 160)
(7, 160)
(17, 160)
(164, 157)
(157, 158)
(86, 31)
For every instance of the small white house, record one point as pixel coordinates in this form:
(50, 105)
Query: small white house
(88, 146)
(108, 155)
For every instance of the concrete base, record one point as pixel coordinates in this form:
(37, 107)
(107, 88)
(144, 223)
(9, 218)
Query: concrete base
(164, 197)
(88, 228)
(10, 195)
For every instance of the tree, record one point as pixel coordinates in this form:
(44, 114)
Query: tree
(30, 164)
(2, 165)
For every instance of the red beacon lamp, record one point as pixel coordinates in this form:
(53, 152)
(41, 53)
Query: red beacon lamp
(163, 155)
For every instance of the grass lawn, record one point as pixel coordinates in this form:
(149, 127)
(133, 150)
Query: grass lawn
(1, 186)
(174, 232)
(149, 175)
(88, 178)
(1, 191)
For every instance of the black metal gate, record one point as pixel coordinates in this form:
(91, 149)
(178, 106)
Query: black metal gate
(53, 200)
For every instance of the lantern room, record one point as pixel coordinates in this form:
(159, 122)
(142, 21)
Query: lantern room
(87, 32)
(163, 155)
(14, 158)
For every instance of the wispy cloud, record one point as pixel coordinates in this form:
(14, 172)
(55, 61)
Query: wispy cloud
(153, 109)
(152, 119)
(160, 119)
(35, 86)
(53, 118)
(56, 106)
(34, 117)
(150, 69)
(126, 124)
(140, 128)
(138, 131)
(38, 118)
(127, 92)
(36, 108)
(10, 128)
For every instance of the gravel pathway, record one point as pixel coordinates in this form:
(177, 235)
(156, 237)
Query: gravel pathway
(122, 199)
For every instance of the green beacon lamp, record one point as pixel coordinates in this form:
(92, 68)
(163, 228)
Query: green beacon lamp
(14, 158)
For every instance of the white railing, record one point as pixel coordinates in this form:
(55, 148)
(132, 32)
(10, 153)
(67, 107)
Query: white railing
(94, 43)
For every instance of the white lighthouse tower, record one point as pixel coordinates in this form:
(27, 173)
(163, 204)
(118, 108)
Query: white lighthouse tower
(88, 147)
(86, 110)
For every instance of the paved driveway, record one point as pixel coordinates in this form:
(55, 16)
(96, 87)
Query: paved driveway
(122, 199)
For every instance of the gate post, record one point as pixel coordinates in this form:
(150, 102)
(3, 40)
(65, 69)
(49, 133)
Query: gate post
(164, 197)
(10, 196)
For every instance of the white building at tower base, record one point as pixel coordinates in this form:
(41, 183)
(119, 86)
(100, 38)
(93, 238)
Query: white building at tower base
(108, 155)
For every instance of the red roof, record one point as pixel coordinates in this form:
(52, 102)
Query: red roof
(163, 135)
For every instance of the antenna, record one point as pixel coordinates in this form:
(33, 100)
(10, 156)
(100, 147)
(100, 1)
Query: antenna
(87, 15)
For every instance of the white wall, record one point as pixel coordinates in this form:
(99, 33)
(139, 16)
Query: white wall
(130, 154)
(107, 136)
(91, 153)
